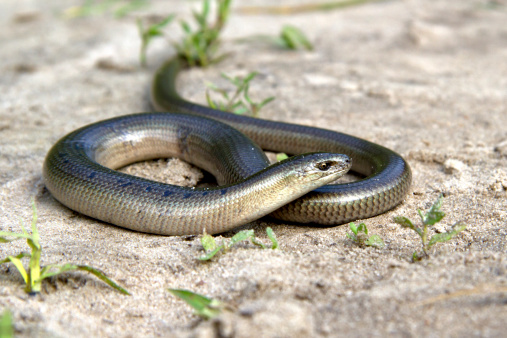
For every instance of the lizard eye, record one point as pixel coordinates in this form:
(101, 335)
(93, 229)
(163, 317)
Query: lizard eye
(324, 166)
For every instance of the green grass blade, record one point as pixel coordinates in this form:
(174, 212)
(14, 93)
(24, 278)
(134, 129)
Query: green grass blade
(71, 267)
(294, 38)
(35, 232)
(224, 7)
(437, 205)
(415, 257)
(443, 237)
(362, 228)
(167, 20)
(148, 34)
(22, 225)
(446, 236)
(208, 242)
(281, 156)
(459, 227)
(256, 242)
(423, 216)
(203, 306)
(152, 32)
(214, 87)
(185, 27)
(238, 106)
(353, 227)
(266, 101)
(229, 78)
(34, 266)
(34, 263)
(44, 272)
(249, 77)
(19, 256)
(205, 13)
(406, 223)
(241, 236)
(240, 110)
(433, 217)
(16, 260)
(5, 234)
(375, 240)
(209, 255)
(272, 237)
(245, 89)
(56, 270)
(210, 102)
(100, 275)
(6, 328)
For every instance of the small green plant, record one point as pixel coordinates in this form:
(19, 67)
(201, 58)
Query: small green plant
(293, 38)
(34, 276)
(203, 306)
(200, 45)
(212, 248)
(239, 102)
(149, 33)
(433, 216)
(120, 8)
(360, 236)
(6, 329)
(290, 37)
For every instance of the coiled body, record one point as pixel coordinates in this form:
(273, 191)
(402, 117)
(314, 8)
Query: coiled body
(78, 173)
(78, 169)
(388, 175)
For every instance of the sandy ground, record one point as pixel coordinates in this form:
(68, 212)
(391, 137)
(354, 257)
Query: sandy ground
(427, 79)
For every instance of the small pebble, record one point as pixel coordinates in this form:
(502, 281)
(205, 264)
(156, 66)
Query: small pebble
(501, 148)
(425, 34)
(439, 228)
(454, 167)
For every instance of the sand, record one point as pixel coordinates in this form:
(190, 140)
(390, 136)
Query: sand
(426, 79)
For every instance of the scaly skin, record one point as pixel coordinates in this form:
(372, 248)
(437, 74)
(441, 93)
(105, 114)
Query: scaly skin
(78, 173)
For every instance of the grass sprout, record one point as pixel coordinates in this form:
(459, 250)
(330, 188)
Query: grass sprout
(34, 275)
(203, 306)
(293, 38)
(290, 37)
(360, 236)
(211, 247)
(239, 102)
(200, 43)
(433, 216)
